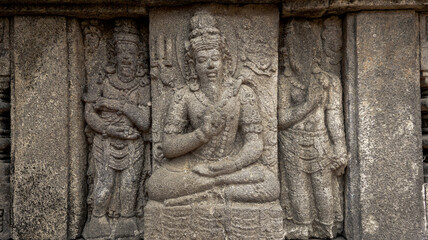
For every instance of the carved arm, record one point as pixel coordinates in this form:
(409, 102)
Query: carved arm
(334, 117)
(289, 115)
(140, 116)
(249, 154)
(93, 120)
(175, 145)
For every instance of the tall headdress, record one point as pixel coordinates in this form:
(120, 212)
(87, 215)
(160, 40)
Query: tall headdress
(126, 30)
(303, 45)
(204, 35)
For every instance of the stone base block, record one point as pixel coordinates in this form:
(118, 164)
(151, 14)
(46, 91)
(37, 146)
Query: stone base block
(213, 221)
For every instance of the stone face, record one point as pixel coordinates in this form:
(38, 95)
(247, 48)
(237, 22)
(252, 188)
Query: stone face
(384, 180)
(214, 124)
(40, 128)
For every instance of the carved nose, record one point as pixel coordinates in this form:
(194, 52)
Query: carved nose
(210, 64)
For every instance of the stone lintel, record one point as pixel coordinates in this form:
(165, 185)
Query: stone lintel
(78, 9)
(318, 8)
(108, 9)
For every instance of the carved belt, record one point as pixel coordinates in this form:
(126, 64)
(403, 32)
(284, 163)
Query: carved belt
(308, 151)
(117, 156)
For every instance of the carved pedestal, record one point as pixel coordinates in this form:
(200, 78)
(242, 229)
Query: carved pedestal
(214, 221)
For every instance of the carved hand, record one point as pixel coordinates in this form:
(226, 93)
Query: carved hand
(315, 93)
(224, 166)
(203, 170)
(126, 133)
(212, 125)
(158, 152)
(339, 164)
(111, 104)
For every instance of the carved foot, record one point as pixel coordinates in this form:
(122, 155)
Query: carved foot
(300, 232)
(97, 227)
(127, 228)
(325, 230)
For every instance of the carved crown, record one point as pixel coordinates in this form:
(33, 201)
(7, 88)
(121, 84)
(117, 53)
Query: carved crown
(126, 30)
(204, 32)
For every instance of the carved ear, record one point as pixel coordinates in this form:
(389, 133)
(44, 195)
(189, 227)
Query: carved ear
(189, 68)
(193, 78)
(141, 71)
(110, 69)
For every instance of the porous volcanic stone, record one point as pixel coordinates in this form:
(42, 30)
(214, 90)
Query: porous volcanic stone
(384, 181)
(40, 128)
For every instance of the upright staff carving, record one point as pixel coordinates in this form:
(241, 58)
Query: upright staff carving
(118, 113)
(312, 143)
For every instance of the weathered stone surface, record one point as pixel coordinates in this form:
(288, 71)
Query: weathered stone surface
(234, 194)
(164, 3)
(384, 181)
(77, 140)
(214, 77)
(101, 11)
(311, 137)
(117, 112)
(317, 8)
(40, 128)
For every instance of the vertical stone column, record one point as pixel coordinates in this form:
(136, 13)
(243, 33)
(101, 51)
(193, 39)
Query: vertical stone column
(47, 129)
(382, 94)
(5, 198)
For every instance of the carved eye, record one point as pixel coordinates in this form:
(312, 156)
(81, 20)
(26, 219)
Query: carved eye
(202, 59)
(215, 58)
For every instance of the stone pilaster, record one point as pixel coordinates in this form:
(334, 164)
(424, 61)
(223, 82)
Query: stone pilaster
(382, 94)
(47, 129)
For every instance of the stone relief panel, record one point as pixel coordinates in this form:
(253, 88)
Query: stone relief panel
(214, 73)
(117, 112)
(5, 160)
(311, 136)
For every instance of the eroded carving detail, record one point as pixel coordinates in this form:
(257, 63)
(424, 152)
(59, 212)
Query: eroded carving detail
(212, 181)
(312, 144)
(117, 112)
(5, 195)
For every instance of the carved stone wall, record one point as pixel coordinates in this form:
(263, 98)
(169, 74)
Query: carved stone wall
(239, 119)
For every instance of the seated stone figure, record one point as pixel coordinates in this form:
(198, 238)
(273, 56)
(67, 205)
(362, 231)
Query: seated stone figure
(212, 133)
